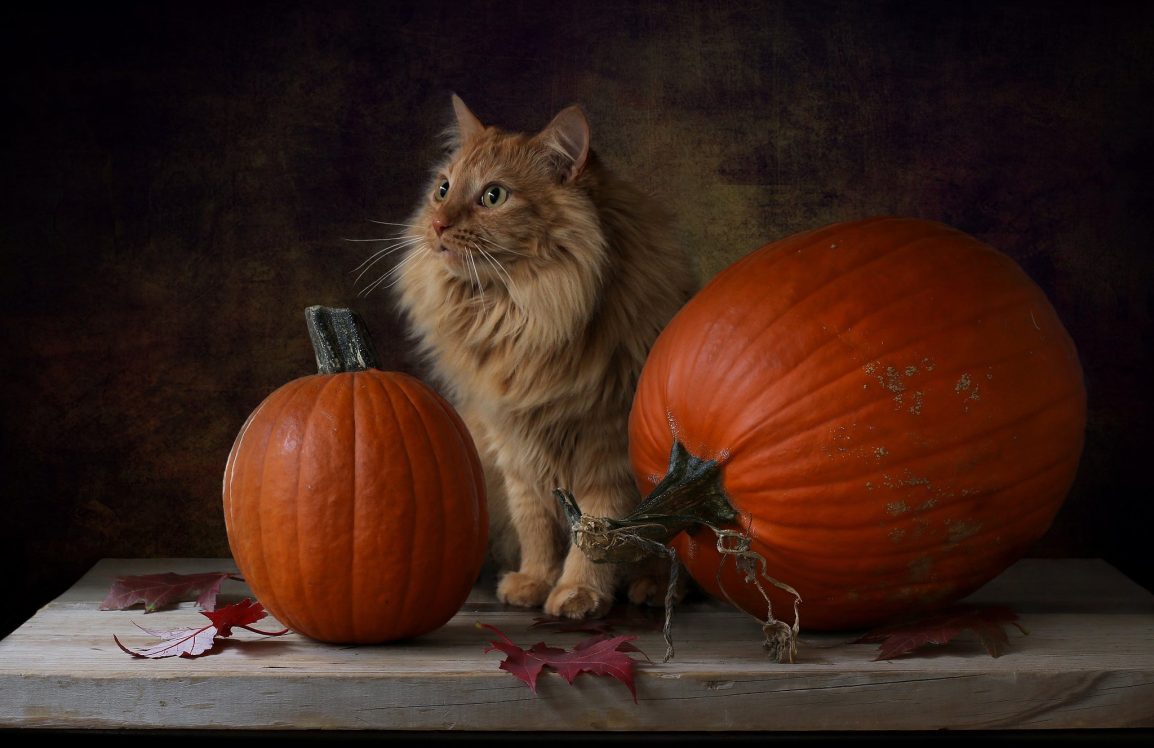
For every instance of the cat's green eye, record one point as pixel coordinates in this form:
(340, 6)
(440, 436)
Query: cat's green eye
(494, 195)
(441, 191)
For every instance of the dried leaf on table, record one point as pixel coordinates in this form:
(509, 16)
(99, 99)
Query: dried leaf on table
(159, 590)
(988, 622)
(598, 655)
(193, 642)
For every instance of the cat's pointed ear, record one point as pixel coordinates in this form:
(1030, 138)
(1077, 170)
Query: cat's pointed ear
(568, 135)
(467, 123)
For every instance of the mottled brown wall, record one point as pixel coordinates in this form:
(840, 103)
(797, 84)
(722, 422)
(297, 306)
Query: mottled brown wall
(181, 179)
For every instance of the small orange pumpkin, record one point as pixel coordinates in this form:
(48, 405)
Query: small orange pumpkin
(897, 410)
(354, 499)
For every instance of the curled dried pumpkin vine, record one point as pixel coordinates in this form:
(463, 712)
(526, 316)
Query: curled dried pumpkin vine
(689, 497)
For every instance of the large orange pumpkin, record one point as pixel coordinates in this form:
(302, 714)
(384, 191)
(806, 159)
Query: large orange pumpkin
(354, 500)
(896, 407)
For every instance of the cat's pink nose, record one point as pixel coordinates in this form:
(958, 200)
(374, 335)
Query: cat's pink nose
(439, 226)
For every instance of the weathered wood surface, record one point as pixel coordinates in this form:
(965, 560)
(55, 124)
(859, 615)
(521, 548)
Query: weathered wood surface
(1087, 663)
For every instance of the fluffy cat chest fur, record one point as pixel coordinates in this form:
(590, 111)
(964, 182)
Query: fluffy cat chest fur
(536, 283)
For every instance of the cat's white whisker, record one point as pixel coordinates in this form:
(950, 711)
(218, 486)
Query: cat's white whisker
(389, 223)
(492, 261)
(380, 254)
(502, 247)
(396, 273)
(400, 243)
(381, 281)
(477, 277)
(502, 274)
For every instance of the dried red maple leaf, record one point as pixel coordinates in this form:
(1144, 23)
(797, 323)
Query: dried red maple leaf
(986, 621)
(158, 590)
(599, 655)
(191, 642)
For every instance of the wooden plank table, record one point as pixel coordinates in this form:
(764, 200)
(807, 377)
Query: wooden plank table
(1088, 662)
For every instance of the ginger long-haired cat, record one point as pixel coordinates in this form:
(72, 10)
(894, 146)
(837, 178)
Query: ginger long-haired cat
(535, 283)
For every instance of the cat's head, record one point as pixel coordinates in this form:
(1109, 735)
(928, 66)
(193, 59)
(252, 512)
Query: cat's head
(504, 200)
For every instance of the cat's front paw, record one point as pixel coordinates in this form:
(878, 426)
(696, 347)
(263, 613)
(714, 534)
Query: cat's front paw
(524, 590)
(646, 591)
(651, 589)
(577, 601)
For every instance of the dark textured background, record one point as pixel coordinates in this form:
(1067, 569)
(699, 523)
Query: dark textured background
(181, 179)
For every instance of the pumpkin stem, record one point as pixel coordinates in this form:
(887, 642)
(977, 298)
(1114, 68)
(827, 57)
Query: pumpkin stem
(688, 497)
(690, 494)
(340, 340)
